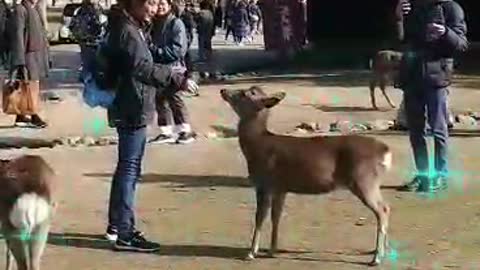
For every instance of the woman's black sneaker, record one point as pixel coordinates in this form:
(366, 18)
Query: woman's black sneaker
(186, 137)
(37, 122)
(111, 234)
(22, 121)
(136, 243)
(413, 185)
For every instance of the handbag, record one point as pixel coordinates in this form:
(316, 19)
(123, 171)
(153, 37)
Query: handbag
(94, 96)
(20, 96)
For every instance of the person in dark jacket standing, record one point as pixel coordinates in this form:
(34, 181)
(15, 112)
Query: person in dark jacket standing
(87, 28)
(218, 14)
(169, 47)
(29, 51)
(255, 17)
(137, 81)
(229, 19)
(433, 31)
(205, 30)
(188, 18)
(241, 23)
(4, 40)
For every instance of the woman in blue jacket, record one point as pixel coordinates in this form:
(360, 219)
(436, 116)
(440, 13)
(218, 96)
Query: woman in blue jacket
(169, 47)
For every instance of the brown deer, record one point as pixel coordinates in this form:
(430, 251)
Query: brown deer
(278, 165)
(384, 66)
(26, 208)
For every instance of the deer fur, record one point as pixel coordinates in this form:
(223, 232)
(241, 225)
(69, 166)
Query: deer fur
(26, 209)
(279, 164)
(384, 66)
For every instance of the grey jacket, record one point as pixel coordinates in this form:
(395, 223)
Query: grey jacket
(170, 42)
(138, 76)
(29, 45)
(431, 63)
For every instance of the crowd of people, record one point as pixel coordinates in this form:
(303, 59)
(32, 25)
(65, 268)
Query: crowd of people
(243, 20)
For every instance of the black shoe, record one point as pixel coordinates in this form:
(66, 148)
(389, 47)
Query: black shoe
(22, 121)
(137, 243)
(186, 137)
(439, 183)
(112, 233)
(429, 185)
(37, 122)
(162, 139)
(415, 185)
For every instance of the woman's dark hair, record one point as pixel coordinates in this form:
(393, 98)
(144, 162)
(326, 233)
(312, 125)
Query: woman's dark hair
(129, 4)
(206, 4)
(175, 7)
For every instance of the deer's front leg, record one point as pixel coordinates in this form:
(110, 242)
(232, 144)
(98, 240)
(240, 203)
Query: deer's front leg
(263, 205)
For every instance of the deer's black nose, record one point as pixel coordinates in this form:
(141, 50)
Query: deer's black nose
(223, 91)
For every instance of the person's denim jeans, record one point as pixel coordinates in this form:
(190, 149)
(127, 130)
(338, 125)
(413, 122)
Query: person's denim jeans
(422, 103)
(131, 148)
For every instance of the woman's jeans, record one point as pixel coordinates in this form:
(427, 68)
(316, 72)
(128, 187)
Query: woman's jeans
(131, 149)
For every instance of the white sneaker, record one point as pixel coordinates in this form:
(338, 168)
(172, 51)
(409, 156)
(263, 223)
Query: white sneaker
(111, 234)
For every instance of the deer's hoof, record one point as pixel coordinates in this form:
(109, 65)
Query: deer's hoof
(250, 257)
(271, 254)
(375, 262)
(375, 108)
(393, 106)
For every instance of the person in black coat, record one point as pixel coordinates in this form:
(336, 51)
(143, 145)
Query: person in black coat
(433, 32)
(4, 40)
(137, 80)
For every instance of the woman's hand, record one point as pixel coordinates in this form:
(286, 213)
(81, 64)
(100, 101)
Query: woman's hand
(181, 81)
(403, 8)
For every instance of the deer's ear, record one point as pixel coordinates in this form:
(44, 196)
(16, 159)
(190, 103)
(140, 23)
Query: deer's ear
(273, 99)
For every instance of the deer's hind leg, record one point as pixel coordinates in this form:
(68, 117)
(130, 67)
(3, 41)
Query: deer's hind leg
(278, 201)
(383, 88)
(17, 246)
(37, 244)
(372, 86)
(369, 193)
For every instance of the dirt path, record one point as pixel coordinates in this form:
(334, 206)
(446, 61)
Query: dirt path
(196, 201)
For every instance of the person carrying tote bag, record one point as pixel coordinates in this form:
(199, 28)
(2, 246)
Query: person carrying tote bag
(29, 52)
(21, 96)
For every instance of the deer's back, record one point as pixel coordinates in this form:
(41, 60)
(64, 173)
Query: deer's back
(26, 174)
(318, 164)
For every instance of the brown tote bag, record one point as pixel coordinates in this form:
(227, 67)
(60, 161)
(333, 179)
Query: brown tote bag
(21, 97)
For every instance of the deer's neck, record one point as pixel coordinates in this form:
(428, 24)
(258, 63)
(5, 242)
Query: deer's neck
(251, 130)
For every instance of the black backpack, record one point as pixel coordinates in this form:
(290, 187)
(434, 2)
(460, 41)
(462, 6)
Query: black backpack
(103, 71)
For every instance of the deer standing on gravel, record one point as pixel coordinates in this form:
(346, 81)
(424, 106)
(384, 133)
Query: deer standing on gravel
(385, 66)
(26, 208)
(278, 165)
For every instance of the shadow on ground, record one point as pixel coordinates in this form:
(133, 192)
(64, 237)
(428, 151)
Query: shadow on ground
(97, 242)
(226, 132)
(19, 142)
(452, 133)
(184, 181)
(323, 79)
(326, 108)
